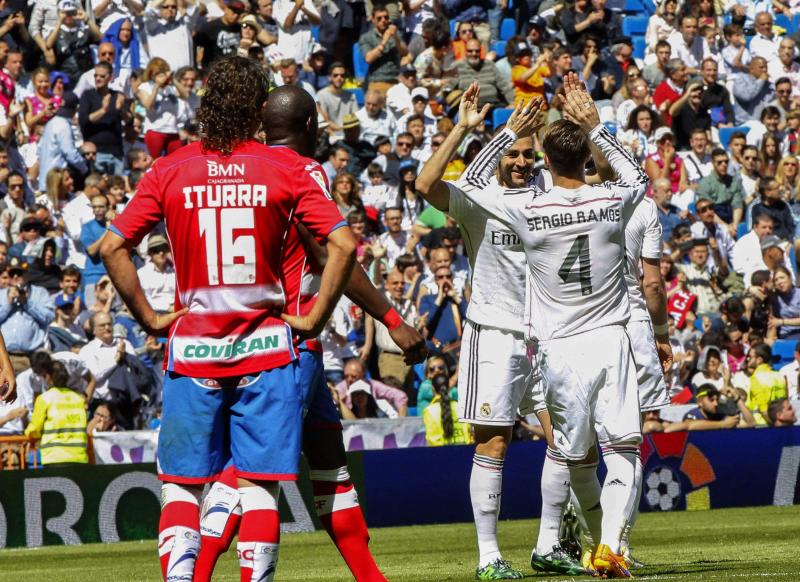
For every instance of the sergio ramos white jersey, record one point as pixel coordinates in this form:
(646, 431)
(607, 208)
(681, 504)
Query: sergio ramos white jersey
(574, 239)
(642, 241)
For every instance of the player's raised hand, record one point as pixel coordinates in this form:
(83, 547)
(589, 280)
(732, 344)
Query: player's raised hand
(468, 114)
(578, 104)
(411, 342)
(525, 119)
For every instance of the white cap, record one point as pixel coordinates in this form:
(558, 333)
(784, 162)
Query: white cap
(419, 92)
(359, 385)
(68, 5)
(661, 132)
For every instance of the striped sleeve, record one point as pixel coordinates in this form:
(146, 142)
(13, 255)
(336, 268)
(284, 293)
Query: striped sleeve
(632, 183)
(479, 172)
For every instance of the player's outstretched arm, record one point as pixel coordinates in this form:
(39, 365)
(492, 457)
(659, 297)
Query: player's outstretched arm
(429, 181)
(341, 250)
(363, 293)
(115, 252)
(580, 108)
(655, 296)
(8, 381)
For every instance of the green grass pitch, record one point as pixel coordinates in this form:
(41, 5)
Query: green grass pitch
(757, 543)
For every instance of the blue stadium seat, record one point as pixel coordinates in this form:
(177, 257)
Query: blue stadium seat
(453, 25)
(500, 116)
(633, 7)
(639, 46)
(795, 21)
(783, 352)
(507, 28)
(611, 126)
(725, 134)
(499, 48)
(360, 66)
(315, 33)
(359, 93)
(793, 258)
(784, 22)
(635, 24)
(741, 230)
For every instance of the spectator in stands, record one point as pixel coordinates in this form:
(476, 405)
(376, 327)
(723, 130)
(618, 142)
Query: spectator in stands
(766, 384)
(697, 163)
(791, 373)
(382, 49)
(57, 147)
(495, 90)
(586, 17)
(639, 133)
(664, 162)
(784, 66)
(59, 420)
(91, 235)
(398, 97)
(25, 314)
(168, 26)
(440, 418)
(396, 240)
(769, 155)
(361, 152)
(528, 75)
(655, 73)
(785, 306)
(668, 215)
(688, 46)
(702, 281)
(436, 67)
(345, 192)
(736, 147)
(688, 115)
(764, 44)
(219, 37)
(465, 32)
(639, 96)
(157, 276)
(13, 207)
(104, 353)
(671, 88)
(391, 401)
(103, 419)
(70, 40)
(772, 204)
(295, 20)
(750, 172)
(706, 415)
(158, 96)
(106, 53)
(44, 271)
(64, 334)
(773, 256)
(101, 115)
(781, 413)
(337, 160)
(411, 203)
(752, 89)
(373, 118)
(716, 99)
(709, 369)
(708, 227)
(334, 103)
(660, 27)
(443, 314)
(768, 123)
(725, 191)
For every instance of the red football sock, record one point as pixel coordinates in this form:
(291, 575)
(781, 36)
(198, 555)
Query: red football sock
(178, 530)
(219, 523)
(337, 506)
(259, 533)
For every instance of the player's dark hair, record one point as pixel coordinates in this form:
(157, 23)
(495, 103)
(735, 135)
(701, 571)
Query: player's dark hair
(230, 109)
(41, 363)
(774, 408)
(59, 377)
(567, 147)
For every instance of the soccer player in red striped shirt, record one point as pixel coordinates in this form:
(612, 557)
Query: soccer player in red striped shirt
(232, 386)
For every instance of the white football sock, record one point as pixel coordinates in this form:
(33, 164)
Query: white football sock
(555, 495)
(618, 491)
(633, 511)
(485, 484)
(586, 488)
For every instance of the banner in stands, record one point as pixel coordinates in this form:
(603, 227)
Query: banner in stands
(139, 446)
(405, 486)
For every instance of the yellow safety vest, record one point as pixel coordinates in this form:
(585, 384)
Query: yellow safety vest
(434, 432)
(59, 418)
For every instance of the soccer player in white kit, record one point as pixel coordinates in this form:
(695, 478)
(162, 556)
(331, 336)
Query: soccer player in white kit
(494, 368)
(574, 240)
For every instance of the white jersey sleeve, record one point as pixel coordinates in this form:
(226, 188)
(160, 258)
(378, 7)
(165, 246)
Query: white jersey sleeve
(642, 241)
(632, 182)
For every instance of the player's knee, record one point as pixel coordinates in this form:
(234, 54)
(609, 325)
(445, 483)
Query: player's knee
(494, 447)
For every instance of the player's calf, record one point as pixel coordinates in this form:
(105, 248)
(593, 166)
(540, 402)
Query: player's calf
(178, 531)
(219, 523)
(259, 534)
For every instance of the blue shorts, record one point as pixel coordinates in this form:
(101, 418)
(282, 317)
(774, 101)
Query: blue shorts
(254, 421)
(320, 411)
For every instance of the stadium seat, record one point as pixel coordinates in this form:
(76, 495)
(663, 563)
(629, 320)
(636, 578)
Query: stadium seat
(741, 230)
(795, 21)
(635, 25)
(499, 48)
(453, 25)
(725, 134)
(359, 93)
(783, 352)
(634, 7)
(507, 28)
(784, 22)
(360, 66)
(639, 46)
(500, 116)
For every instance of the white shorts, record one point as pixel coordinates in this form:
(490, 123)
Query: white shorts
(653, 394)
(494, 372)
(590, 390)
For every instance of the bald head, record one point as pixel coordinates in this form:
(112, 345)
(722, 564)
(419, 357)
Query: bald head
(106, 52)
(290, 119)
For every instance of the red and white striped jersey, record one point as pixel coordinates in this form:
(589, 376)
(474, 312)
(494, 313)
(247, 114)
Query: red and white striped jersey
(228, 220)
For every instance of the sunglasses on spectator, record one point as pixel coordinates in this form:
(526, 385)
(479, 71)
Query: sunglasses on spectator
(705, 208)
(30, 227)
(405, 144)
(381, 18)
(749, 158)
(169, 6)
(15, 186)
(720, 162)
(443, 277)
(436, 143)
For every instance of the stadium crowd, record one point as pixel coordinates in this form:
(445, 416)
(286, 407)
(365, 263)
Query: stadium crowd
(705, 94)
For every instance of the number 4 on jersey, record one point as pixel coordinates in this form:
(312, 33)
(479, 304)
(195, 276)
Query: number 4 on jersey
(578, 253)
